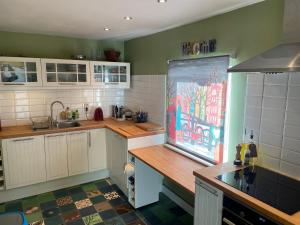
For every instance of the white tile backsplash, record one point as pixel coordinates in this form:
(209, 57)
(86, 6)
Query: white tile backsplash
(148, 93)
(17, 107)
(279, 124)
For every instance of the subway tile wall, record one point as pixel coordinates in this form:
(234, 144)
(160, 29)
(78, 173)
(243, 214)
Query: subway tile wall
(148, 93)
(17, 107)
(273, 113)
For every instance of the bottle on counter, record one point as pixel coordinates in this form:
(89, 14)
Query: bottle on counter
(68, 113)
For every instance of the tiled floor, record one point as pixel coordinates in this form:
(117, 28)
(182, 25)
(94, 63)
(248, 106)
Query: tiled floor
(96, 203)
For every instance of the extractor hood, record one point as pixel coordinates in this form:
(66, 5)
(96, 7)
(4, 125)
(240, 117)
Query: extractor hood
(284, 57)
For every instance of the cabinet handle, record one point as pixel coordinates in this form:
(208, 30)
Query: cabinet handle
(90, 140)
(13, 83)
(58, 135)
(227, 221)
(206, 187)
(24, 139)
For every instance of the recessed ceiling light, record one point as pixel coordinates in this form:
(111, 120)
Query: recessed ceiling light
(161, 1)
(127, 18)
(106, 28)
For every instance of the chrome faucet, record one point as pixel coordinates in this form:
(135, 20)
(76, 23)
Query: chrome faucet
(51, 109)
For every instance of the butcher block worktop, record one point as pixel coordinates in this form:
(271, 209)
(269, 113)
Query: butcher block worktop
(171, 164)
(208, 175)
(126, 129)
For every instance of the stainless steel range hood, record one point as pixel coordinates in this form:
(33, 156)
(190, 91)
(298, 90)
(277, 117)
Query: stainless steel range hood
(284, 57)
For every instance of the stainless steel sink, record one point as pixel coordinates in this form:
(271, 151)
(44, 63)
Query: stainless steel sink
(67, 124)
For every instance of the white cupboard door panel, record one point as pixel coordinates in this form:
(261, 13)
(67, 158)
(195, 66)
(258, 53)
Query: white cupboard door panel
(97, 150)
(24, 161)
(56, 156)
(78, 153)
(208, 205)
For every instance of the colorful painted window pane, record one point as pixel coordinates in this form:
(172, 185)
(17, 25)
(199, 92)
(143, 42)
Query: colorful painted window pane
(196, 106)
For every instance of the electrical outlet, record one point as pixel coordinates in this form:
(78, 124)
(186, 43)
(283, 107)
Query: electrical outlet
(86, 107)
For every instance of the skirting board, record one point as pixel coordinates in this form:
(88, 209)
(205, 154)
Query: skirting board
(179, 201)
(17, 193)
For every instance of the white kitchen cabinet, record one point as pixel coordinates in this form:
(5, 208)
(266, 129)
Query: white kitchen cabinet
(77, 152)
(117, 158)
(208, 204)
(20, 71)
(60, 72)
(97, 150)
(56, 150)
(110, 74)
(24, 161)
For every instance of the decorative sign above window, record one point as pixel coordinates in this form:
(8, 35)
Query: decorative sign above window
(198, 47)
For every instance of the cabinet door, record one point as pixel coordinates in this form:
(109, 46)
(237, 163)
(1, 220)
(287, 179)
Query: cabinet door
(118, 156)
(77, 152)
(20, 71)
(56, 156)
(24, 161)
(97, 150)
(208, 205)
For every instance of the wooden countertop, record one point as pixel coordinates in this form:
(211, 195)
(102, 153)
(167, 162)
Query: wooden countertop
(171, 164)
(126, 129)
(208, 175)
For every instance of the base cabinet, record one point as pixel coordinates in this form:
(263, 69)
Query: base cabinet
(77, 152)
(24, 161)
(208, 204)
(56, 156)
(97, 150)
(117, 148)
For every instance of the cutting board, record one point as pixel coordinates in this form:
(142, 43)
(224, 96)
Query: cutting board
(149, 126)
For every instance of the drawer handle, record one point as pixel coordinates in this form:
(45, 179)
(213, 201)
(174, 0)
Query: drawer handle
(227, 221)
(24, 139)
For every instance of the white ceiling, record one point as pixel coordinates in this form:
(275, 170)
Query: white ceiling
(87, 18)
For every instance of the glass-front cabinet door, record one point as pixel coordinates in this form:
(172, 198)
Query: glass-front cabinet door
(110, 74)
(20, 71)
(58, 72)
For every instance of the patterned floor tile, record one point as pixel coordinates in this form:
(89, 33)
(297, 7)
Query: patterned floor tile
(54, 220)
(46, 197)
(71, 216)
(33, 217)
(51, 212)
(92, 219)
(111, 195)
(129, 217)
(48, 205)
(124, 208)
(93, 193)
(79, 196)
(102, 206)
(31, 209)
(83, 203)
(108, 214)
(40, 222)
(87, 211)
(115, 221)
(98, 199)
(64, 201)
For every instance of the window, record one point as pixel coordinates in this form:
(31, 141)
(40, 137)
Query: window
(196, 106)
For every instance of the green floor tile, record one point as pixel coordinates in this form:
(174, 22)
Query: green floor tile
(34, 217)
(89, 187)
(46, 197)
(92, 219)
(29, 202)
(2, 208)
(55, 220)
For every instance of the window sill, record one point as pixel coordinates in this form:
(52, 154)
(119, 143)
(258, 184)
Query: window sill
(201, 161)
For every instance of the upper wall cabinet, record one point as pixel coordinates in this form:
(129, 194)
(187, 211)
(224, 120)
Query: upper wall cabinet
(110, 74)
(20, 71)
(58, 72)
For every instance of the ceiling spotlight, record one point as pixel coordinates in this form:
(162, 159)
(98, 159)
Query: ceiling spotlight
(106, 29)
(161, 1)
(127, 18)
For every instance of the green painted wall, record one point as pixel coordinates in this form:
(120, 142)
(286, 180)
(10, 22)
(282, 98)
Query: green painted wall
(245, 32)
(35, 45)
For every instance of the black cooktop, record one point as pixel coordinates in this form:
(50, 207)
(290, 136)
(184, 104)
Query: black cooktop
(279, 191)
